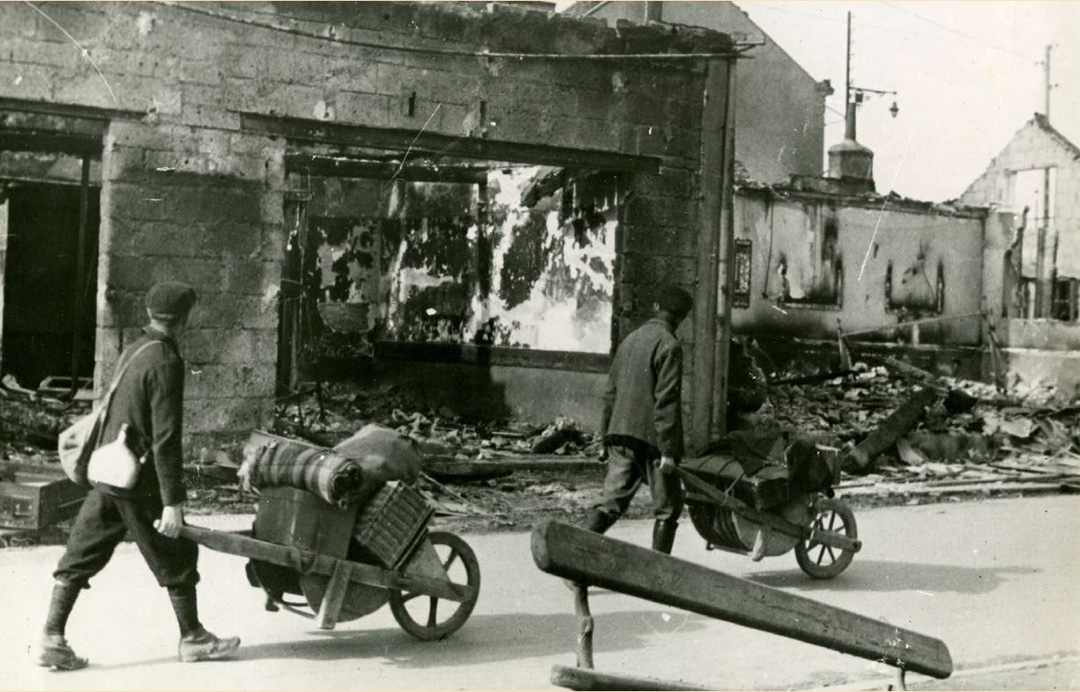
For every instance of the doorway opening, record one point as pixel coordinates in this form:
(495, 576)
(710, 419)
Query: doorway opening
(48, 276)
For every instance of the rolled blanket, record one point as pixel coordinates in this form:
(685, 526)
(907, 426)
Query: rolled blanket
(278, 461)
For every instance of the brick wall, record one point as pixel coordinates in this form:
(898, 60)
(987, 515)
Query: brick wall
(188, 194)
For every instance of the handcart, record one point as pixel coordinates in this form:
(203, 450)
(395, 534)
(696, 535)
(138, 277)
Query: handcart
(775, 509)
(344, 563)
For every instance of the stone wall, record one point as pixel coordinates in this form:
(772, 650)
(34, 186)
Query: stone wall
(192, 191)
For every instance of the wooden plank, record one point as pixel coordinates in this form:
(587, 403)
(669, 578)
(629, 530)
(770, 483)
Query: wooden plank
(586, 679)
(300, 130)
(330, 607)
(582, 556)
(309, 562)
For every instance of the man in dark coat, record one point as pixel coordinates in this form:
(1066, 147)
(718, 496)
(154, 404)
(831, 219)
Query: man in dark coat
(147, 407)
(642, 421)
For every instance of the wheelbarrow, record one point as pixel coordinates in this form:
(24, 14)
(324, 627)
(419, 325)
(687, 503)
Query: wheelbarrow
(344, 563)
(767, 514)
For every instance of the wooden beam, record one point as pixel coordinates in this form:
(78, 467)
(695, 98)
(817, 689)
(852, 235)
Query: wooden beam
(299, 130)
(339, 167)
(582, 556)
(899, 422)
(64, 110)
(48, 141)
(308, 562)
(585, 679)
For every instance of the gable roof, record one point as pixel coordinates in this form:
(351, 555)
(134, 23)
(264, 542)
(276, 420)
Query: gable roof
(1044, 124)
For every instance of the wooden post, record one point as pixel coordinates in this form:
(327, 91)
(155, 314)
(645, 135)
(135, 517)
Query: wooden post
(722, 340)
(582, 556)
(80, 274)
(715, 248)
(334, 596)
(585, 626)
(899, 422)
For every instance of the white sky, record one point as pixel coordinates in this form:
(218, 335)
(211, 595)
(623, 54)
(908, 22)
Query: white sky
(966, 72)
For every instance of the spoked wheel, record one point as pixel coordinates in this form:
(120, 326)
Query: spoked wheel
(823, 561)
(428, 618)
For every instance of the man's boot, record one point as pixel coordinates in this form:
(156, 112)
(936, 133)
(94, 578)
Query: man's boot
(201, 645)
(663, 535)
(196, 643)
(55, 652)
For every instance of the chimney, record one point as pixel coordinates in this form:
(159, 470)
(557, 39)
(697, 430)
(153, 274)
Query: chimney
(851, 162)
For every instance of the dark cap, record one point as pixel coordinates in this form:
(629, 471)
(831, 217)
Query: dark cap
(170, 300)
(675, 300)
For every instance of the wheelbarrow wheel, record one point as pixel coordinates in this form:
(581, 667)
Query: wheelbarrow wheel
(822, 561)
(425, 617)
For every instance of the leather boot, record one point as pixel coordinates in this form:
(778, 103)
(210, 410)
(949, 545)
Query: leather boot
(663, 535)
(201, 645)
(56, 653)
(599, 521)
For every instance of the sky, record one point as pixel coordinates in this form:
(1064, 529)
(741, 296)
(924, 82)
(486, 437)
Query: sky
(967, 75)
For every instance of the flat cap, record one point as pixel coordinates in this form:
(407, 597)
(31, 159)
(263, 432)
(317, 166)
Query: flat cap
(675, 300)
(170, 300)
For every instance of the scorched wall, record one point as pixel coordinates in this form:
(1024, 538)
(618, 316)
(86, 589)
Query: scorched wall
(204, 101)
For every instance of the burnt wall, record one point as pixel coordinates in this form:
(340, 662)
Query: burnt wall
(192, 190)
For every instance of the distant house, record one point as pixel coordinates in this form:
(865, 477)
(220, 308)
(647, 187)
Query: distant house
(1037, 177)
(779, 107)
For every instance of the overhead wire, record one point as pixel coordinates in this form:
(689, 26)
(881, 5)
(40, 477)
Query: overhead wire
(451, 52)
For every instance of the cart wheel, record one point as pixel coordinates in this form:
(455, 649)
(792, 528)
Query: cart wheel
(424, 617)
(822, 561)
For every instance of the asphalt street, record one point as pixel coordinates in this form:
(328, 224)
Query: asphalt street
(995, 579)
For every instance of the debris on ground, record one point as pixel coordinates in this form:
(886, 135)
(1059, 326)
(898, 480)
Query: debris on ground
(907, 425)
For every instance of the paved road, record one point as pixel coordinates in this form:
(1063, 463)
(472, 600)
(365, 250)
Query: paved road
(996, 580)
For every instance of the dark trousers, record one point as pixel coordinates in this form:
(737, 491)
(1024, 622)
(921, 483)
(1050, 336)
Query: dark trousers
(101, 525)
(628, 466)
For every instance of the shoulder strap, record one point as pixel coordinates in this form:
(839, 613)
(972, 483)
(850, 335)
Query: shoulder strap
(120, 374)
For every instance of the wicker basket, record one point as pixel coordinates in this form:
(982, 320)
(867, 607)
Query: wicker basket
(390, 525)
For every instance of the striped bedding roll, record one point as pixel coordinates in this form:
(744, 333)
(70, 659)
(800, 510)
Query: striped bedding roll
(280, 461)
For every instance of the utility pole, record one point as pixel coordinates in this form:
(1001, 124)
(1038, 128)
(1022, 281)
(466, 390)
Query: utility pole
(1047, 85)
(849, 108)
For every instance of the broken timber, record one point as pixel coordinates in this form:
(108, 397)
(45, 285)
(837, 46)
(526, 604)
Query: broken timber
(589, 558)
(899, 422)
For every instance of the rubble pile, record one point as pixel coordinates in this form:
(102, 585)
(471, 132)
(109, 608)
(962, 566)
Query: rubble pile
(968, 429)
(341, 408)
(31, 422)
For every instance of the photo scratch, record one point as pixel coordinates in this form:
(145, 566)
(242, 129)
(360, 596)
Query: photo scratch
(82, 51)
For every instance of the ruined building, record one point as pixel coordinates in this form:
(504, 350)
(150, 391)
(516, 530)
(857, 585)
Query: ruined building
(1036, 178)
(484, 199)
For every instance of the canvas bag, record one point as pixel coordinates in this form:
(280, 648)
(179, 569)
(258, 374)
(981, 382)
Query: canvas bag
(77, 443)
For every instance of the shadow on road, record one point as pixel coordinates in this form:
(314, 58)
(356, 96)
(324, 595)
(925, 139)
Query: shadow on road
(484, 639)
(886, 575)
